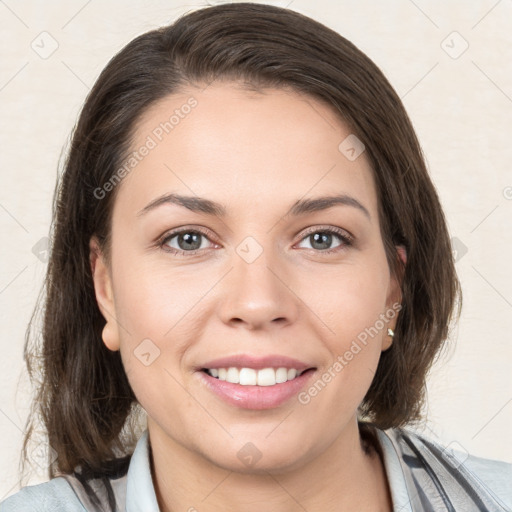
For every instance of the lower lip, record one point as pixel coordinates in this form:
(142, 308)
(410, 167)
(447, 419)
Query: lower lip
(256, 397)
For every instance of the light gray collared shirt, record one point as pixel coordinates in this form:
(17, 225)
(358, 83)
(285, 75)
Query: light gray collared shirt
(422, 476)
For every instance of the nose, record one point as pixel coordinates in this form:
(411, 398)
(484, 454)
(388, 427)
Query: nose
(258, 295)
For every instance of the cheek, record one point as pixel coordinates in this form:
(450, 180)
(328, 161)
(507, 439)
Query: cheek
(154, 300)
(352, 305)
(157, 333)
(157, 315)
(153, 310)
(350, 300)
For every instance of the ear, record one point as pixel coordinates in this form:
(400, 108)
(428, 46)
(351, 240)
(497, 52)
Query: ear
(394, 298)
(104, 294)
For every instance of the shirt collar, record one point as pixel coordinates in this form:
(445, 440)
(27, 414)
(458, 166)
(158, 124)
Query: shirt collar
(140, 491)
(397, 480)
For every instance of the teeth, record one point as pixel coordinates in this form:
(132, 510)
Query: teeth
(268, 376)
(292, 373)
(252, 377)
(233, 375)
(246, 376)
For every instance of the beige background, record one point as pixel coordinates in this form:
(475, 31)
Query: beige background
(460, 104)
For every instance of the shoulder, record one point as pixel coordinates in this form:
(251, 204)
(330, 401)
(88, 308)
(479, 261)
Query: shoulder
(55, 495)
(80, 491)
(453, 471)
(493, 475)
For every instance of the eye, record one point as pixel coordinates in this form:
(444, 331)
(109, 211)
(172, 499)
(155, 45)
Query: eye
(189, 241)
(321, 239)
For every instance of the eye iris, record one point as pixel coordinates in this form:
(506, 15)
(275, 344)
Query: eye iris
(191, 241)
(324, 239)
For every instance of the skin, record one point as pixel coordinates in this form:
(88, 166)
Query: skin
(268, 151)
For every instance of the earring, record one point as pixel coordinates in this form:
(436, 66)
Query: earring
(391, 333)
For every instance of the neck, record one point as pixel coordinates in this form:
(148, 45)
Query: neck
(342, 476)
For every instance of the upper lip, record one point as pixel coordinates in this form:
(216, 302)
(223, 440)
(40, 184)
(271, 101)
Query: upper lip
(256, 362)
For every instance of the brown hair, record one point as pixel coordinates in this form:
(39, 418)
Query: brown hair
(84, 398)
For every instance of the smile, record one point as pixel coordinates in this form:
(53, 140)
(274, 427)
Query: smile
(258, 389)
(253, 377)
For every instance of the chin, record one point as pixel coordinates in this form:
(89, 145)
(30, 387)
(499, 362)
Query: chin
(257, 457)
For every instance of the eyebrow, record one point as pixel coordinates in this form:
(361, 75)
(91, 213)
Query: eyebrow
(300, 207)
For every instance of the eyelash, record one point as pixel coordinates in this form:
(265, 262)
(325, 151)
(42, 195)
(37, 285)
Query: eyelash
(347, 240)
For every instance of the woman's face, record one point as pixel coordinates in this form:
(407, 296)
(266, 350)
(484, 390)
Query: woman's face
(255, 272)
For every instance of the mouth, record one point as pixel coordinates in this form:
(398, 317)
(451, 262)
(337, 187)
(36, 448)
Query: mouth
(257, 389)
(252, 381)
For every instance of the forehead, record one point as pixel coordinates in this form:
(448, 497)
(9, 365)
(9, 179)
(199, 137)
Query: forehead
(237, 146)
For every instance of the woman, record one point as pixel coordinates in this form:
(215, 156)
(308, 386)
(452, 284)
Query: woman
(247, 246)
